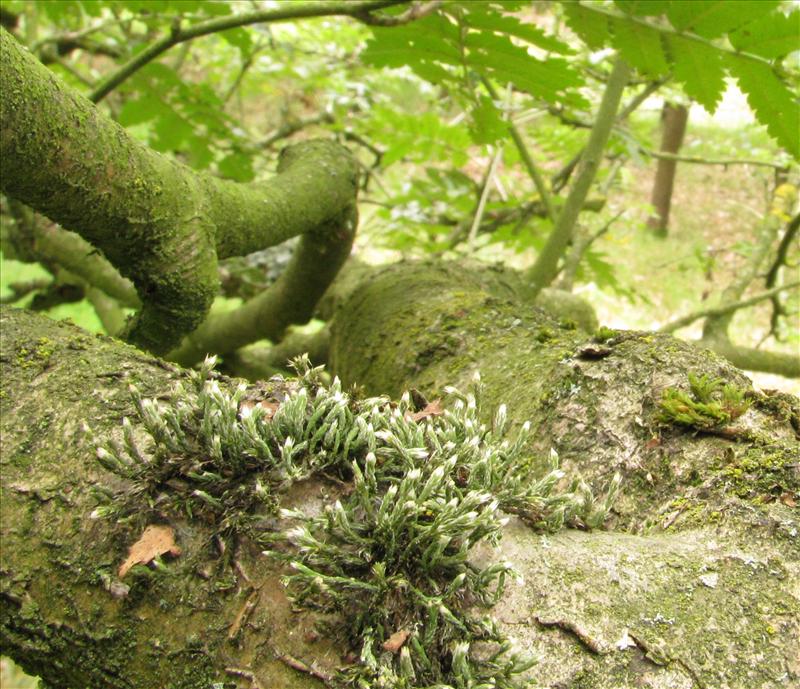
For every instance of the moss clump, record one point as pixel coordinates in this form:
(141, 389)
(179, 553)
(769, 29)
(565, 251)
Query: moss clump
(764, 474)
(603, 334)
(37, 356)
(392, 557)
(711, 403)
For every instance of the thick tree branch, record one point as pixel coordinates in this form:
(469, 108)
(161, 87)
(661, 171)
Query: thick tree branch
(294, 10)
(545, 268)
(160, 223)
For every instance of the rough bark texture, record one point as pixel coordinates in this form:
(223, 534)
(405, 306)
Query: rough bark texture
(695, 584)
(160, 223)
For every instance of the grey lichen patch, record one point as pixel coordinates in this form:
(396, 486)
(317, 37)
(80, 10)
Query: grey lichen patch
(391, 557)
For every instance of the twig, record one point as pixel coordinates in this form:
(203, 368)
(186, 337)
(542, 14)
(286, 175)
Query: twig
(245, 674)
(300, 666)
(487, 185)
(527, 159)
(724, 309)
(417, 11)
(579, 248)
(662, 155)
(297, 10)
(594, 645)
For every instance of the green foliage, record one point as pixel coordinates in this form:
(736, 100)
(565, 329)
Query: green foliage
(467, 41)
(761, 33)
(711, 403)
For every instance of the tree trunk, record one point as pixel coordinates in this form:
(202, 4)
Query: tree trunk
(673, 127)
(693, 584)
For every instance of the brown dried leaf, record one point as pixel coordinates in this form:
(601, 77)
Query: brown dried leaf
(395, 642)
(789, 500)
(269, 406)
(156, 540)
(431, 409)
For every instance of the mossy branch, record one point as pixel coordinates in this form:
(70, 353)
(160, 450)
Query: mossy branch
(160, 223)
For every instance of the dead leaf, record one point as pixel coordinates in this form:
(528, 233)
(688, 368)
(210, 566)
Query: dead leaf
(395, 642)
(431, 409)
(269, 407)
(789, 500)
(156, 540)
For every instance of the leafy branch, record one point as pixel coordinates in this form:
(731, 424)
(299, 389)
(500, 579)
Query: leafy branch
(296, 10)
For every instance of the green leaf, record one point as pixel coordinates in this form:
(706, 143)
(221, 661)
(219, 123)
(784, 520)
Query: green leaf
(480, 17)
(236, 166)
(771, 99)
(547, 79)
(171, 131)
(699, 68)
(239, 38)
(590, 26)
(714, 18)
(142, 109)
(640, 46)
(488, 125)
(774, 35)
(643, 8)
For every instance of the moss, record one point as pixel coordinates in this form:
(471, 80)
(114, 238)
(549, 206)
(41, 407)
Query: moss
(710, 404)
(603, 334)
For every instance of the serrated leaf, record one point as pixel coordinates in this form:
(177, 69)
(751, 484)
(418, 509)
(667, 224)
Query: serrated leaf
(590, 26)
(640, 46)
(772, 101)
(548, 79)
(643, 8)
(772, 36)
(714, 18)
(699, 68)
(479, 18)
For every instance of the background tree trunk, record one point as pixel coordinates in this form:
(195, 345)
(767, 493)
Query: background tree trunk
(696, 583)
(673, 127)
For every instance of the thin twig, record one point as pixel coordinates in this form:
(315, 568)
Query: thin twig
(487, 185)
(663, 155)
(527, 159)
(724, 309)
(417, 11)
(177, 34)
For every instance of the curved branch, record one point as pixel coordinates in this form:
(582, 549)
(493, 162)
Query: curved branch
(160, 223)
(750, 359)
(725, 309)
(296, 10)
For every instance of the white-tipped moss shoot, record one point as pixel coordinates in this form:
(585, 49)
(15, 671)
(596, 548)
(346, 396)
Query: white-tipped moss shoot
(392, 555)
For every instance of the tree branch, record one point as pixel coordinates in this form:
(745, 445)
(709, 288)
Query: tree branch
(295, 10)
(546, 266)
(527, 159)
(725, 309)
(417, 11)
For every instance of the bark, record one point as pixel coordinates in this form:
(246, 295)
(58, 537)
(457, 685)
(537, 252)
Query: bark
(673, 122)
(695, 582)
(161, 224)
